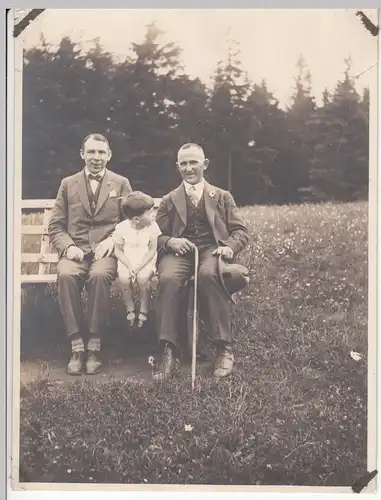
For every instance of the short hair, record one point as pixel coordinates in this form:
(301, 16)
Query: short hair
(96, 137)
(190, 145)
(136, 203)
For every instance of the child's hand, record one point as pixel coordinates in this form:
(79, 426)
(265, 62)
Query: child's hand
(133, 276)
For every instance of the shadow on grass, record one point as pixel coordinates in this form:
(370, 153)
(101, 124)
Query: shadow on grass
(43, 335)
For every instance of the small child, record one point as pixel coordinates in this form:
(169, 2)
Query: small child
(135, 241)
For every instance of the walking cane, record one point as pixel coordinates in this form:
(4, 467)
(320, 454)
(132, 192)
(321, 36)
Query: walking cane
(194, 329)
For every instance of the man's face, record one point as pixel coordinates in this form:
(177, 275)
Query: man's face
(192, 164)
(96, 154)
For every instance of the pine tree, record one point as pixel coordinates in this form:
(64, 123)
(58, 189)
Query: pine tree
(145, 112)
(148, 107)
(257, 175)
(229, 117)
(54, 113)
(339, 166)
(299, 114)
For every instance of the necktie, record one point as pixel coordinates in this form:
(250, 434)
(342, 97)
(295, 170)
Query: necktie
(93, 177)
(193, 196)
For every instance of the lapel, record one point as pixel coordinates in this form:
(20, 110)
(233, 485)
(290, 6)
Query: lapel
(178, 198)
(104, 192)
(82, 192)
(211, 196)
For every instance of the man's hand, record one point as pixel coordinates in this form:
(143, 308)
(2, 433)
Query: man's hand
(74, 253)
(180, 246)
(226, 252)
(104, 249)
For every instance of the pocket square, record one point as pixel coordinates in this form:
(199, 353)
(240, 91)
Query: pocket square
(112, 193)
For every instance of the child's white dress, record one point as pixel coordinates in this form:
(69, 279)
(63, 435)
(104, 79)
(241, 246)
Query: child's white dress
(135, 246)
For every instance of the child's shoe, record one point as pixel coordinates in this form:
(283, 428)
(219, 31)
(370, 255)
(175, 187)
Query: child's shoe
(142, 319)
(130, 318)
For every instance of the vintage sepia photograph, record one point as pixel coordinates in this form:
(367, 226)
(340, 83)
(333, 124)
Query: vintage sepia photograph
(194, 246)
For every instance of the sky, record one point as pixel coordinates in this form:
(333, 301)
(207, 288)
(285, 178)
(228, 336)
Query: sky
(270, 40)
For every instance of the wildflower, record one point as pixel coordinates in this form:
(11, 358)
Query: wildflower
(188, 428)
(355, 355)
(69, 471)
(151, 361)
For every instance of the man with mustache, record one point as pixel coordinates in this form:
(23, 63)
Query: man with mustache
(86, 211)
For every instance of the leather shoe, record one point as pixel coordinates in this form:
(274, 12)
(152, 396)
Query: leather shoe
(166, 366)
(93, 363)
(223, 365)
(75, 366)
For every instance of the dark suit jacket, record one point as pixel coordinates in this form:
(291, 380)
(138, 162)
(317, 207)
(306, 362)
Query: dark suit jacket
(72, 222)
(225, 223)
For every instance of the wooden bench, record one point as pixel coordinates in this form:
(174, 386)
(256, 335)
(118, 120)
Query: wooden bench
(39, 264)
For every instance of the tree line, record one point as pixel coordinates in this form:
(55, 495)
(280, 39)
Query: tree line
(148, 107)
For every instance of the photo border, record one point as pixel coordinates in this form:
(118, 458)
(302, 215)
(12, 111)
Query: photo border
(14, 213)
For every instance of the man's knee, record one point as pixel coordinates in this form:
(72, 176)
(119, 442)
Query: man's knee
(67, 273)
(104, 270)
(169, 279)
(100, 275)
(207, 274)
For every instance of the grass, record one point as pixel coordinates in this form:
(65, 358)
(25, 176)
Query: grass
(295, 410)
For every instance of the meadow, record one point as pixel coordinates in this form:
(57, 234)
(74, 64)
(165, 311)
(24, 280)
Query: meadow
(293, 413)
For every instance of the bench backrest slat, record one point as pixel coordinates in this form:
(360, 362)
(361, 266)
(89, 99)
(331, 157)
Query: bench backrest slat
(44, 258)
(35, 204)
(35, 229)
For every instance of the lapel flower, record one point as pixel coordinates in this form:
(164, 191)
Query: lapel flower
(211, 193)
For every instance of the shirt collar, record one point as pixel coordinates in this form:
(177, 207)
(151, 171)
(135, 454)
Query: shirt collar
(101, 173)
(199, 186)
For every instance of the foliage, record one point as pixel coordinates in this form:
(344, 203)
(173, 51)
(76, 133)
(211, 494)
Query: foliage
(147, 106)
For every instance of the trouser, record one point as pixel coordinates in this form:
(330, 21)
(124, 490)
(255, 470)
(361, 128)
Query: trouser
(173, 272)
(97, 276)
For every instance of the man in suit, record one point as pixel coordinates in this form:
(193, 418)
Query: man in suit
(196, 214)
(86, 211)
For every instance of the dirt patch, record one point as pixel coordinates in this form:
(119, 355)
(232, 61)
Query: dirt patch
(134, 370)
